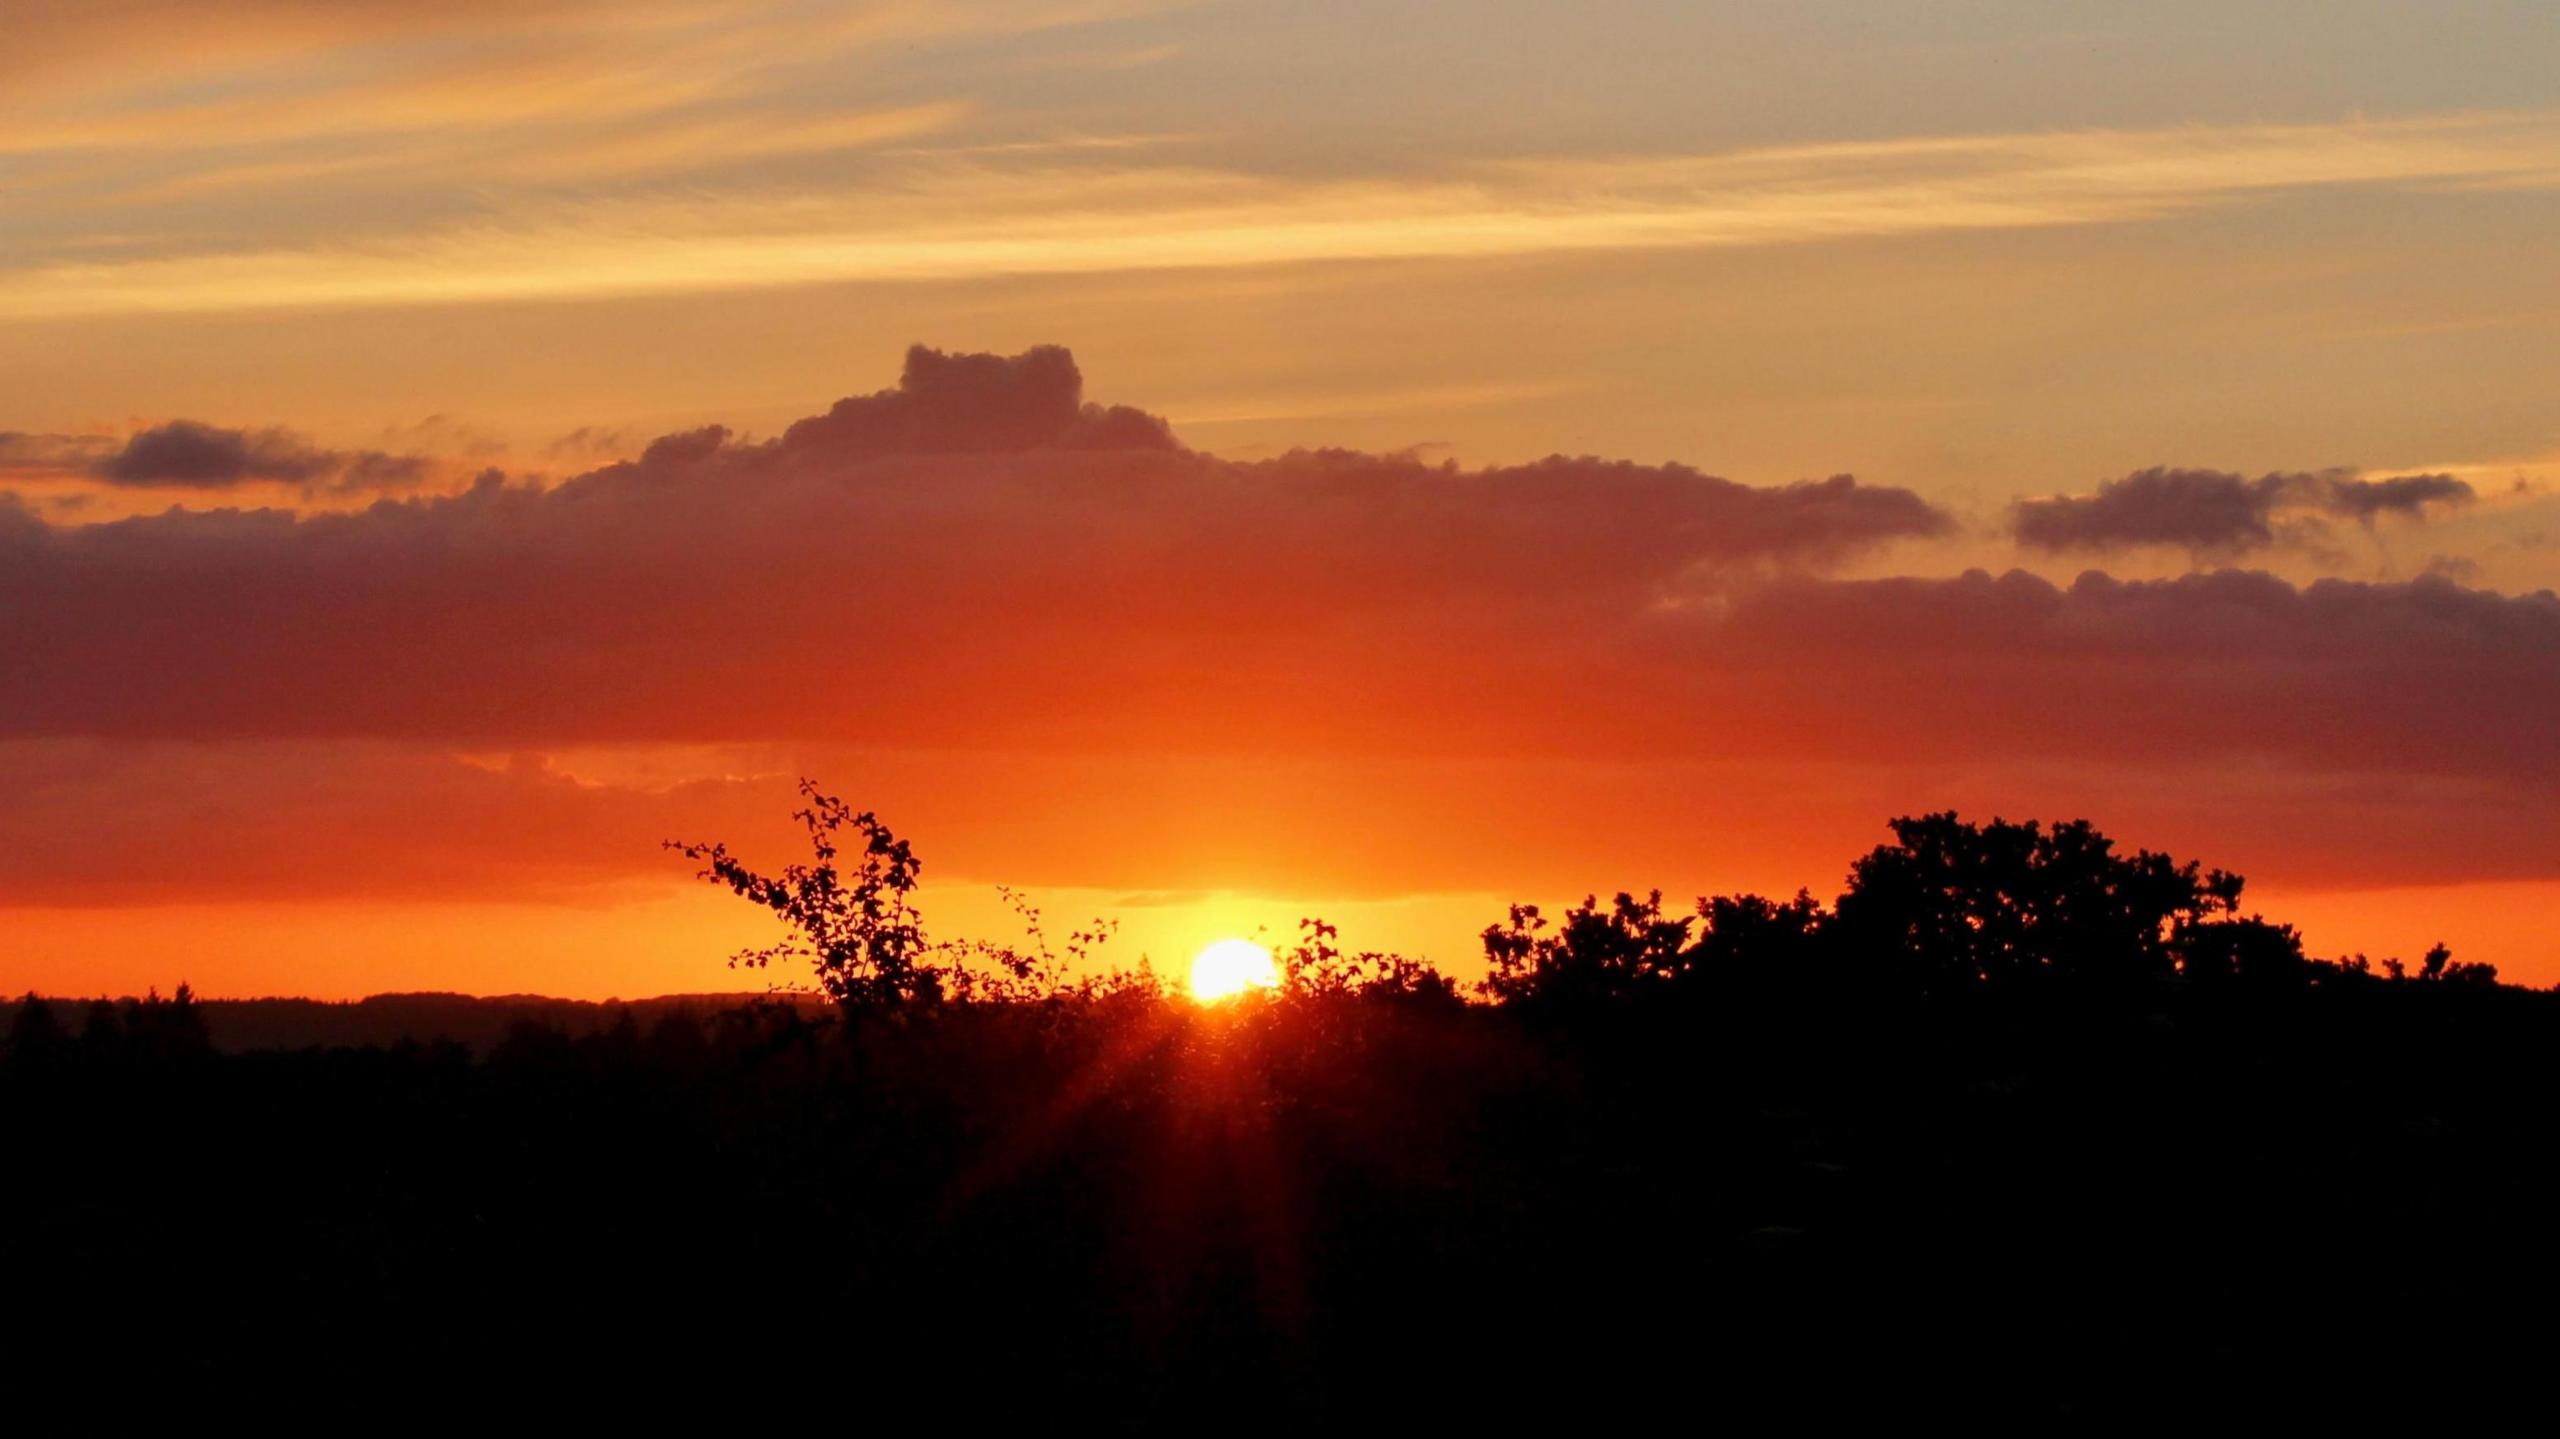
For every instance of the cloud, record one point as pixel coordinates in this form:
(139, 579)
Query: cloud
(189, 454)
(1018, 615)
(957, 218)
(2367, 500)
(20, 526)
(39, 455)
(88, 823)
(976, 553)
(2333, 677)
(118, 823)
(980, 557)
(396, 95)
(2213, 512)
(956, 404)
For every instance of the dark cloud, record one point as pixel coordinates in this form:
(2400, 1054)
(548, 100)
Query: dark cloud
(195, 455)
(2213, 512)
(188, 454)
(978, 552)
(2421, 677)
(21, 528)
(2197, 509)
(953, 404)
(979, 563)
(2399, 495)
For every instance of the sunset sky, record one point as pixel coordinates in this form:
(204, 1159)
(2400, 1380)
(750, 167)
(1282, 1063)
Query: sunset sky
(1208, 464)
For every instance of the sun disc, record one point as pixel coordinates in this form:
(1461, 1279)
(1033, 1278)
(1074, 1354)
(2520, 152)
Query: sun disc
(1229, 967)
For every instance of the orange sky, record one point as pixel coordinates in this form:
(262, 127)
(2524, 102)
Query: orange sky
(359, 631)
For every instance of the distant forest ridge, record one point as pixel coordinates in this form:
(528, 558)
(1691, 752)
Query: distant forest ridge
(477, 1022)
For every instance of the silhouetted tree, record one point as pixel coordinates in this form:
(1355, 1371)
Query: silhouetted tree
(1751, 939)
(1633, 948)
(860, 931)
(101, 1030)
(171, 1028)
(1596, 954)
(2250, 949)
(35, 1031)
(1317, 967)
(2438, 966)
(1395, 979)
(165, 1028)
(1957, 903)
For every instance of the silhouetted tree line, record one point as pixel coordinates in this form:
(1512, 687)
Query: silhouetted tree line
(2019, 1128)
(1948, 907)
(149, 1030)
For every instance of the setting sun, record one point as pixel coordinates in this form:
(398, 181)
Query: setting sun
(1229, 967)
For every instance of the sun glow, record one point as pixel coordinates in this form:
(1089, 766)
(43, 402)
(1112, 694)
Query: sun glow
(1229, 967)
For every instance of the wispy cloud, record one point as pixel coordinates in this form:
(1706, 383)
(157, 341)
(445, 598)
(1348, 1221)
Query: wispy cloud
(144, 102)
(942, 220)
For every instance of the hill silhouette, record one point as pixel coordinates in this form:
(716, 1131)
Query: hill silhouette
(476, 1022)
(2019, 1128)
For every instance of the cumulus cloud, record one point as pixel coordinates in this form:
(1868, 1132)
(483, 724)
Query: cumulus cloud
(956, 404)
(189, 454)
(975, 551)
(2214, 512)
(979, 561)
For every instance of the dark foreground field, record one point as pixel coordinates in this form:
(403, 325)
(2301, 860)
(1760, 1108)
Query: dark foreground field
(2189, 1203)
